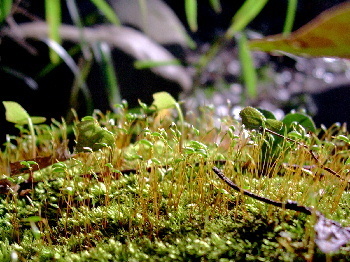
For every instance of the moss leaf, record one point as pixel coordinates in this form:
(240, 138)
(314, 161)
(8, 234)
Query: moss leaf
(252, 118)
(92, 135)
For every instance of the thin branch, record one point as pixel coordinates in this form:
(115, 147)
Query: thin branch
(291, 205)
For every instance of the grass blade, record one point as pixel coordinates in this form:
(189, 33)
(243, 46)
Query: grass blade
(191, 14)
(215, 4)
(247, 12)
(291, 10)
(107, 11)
(142, 64)
(248, 70)
(110, 78)
(53, 18)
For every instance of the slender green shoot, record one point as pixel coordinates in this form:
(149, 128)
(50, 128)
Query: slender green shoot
(291, 10)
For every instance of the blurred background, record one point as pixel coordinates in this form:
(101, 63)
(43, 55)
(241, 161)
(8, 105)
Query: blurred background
(92, 54)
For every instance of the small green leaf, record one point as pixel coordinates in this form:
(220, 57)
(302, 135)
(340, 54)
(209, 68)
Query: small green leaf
(5, 9)
(15, 113)
(38, 119)
(163, 100)
(302, 119)
(252, 118)
(92, 135)
(273, 124)
(33, 219)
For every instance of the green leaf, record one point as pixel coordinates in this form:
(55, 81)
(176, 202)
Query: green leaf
(326, 35)
(252, 118)
(33, 219)
(146, 64)
(343, 138)
(291, 11)
(5, 9)
(92, 136)
(248, 69)
(246, 13)
(191, 14)
(216, 5)
(163, 100)
(302, 119)
(273, 124)
(15, 113)
(267, 114)
(53, 18)
(38, 119)
(107, 11)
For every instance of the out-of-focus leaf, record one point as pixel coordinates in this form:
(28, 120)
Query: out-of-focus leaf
(248, 70)
(326, 35)
(139, 64)
(191, 14)
(5, 9)
(91, 135)
(215, 4)
(291, 10)
(246, 13)
(109, 75)
(303, 120)
(53, 18)
(163, 100)
(107, 11)
(15, 113)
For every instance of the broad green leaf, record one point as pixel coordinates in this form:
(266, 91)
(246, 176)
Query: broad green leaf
(302, 119)
(191, 14)
(107, 11)
(92, 135)
(326, 35)
(163, 100)
(252, 118)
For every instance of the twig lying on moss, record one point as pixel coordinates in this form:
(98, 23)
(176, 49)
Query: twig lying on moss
(330, 235)
(292, 205)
